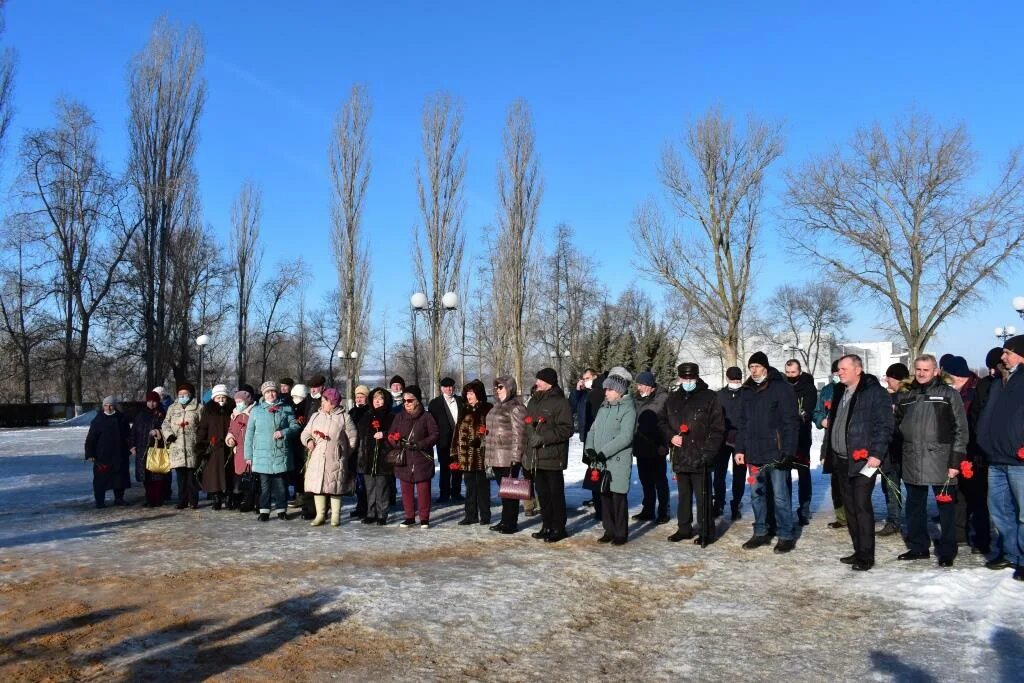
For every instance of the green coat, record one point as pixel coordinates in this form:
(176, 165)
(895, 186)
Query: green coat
(612, 436)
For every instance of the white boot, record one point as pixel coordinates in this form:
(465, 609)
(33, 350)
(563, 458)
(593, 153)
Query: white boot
(335, 510)
(321, 509)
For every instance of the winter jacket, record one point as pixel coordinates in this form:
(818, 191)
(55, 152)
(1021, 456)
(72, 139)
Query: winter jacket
(968, 394)
(329, 438)
(806, 399)
(611, 436)
(547, 435)
(933, 424)
(824, 404)
(267, 454)
(769, 422)
(702, 414)
(421, 431)
(239, 421)
(145, 422)
(648, 439)
(372, 458)
(179, 430)
(107, 445)
(869, 425)
(506, 431)
(470, 434)
(730, 402)
(213, 427)
(1001, 427)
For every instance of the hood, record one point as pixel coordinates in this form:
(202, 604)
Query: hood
(510, 386)
(389, 401)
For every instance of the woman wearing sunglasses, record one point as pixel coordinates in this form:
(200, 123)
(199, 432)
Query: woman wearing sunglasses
(412, 438)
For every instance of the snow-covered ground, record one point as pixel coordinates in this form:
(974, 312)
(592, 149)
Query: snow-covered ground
(145, 594)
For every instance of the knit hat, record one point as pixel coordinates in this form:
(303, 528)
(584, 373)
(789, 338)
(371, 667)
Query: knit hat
(758, 358)
(332, 396)
(286, 380)
(897, 371)
(448, 382)
(160, 391)
(688, 371)
(415, 391)
(835, 366)
(993, 358)
(317, 380)
(243, 395)
(219, 390)
(269, 385)
(152, 396)
(944, 359)
(249, 388)
(109, 401)
(300, 391)
(734, 373)
(398, 379)
(957, 366)
(189, 387)
(646, 378)
(1015, 344)
(361, 389)
(548, 375)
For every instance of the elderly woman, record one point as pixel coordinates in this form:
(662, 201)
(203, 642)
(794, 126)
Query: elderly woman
(235, 440)
(179, 431)
(412, 438)
(468, 454)
(329, 436)
(506, 436)
(146, 432)
(211, 439)
(609, 448)
(271, 424)
(372, 463)
(106, 447)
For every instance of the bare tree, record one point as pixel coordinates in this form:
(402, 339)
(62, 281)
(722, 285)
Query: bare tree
(273, 321)
(166, 97)
(718, 190)
(246, 215)
(85, 230)
(350, 174)
(7, 68)
(326, 330)
(439, 241)
(519, 193)
(899, 216)
(806, 318)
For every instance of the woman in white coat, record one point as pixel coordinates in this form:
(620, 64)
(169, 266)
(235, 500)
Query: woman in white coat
(329, 436)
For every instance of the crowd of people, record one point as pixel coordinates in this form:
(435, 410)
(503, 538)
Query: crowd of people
(934, 428)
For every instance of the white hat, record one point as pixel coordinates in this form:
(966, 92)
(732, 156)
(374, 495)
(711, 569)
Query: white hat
(300, 391)
(219, 390)
(161, 391)
(109, 401)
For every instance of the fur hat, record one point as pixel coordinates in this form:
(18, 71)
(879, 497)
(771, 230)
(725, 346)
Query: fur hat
(219, 390)
(317, 380)
(269, 385)
(897, 371)
(646, 378)
(361, 389)
(758, 358)
(415, 391)
(688, 371)
(734, 373)
(548, 375)
(1015, 344)
(618, 379)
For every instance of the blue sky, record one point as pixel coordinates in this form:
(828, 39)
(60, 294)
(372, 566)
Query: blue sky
(608, 84)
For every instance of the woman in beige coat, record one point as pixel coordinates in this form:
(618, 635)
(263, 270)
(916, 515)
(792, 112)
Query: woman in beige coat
(329, 436)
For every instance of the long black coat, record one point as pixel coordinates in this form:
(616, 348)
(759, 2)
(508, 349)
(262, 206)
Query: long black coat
(702, 414)
(547, 437)
(145, 422)
(649, 441)
(107, 445)
(213, 427)
(769, 422)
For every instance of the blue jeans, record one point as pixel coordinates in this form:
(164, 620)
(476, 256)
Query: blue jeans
(273, 486)
(1006, 507)
(783, 498)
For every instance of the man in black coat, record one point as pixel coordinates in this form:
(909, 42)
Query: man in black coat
(766, 443)
(649, 448)
(447, 411)
(729, 399)
(860, 428)
(806, 397)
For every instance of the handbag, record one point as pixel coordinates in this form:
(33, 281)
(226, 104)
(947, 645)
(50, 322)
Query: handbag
(249, 490)
(514, 488)
(158, 459)
(599, 481)
(396, 457)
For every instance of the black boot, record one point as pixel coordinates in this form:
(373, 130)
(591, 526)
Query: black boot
(543, 533)
(218, 501)
(734, 508)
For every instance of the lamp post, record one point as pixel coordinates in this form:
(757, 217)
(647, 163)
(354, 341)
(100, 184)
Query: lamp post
(1005, 333)
(201, 341)
(434, 310)
(1018, 305)
(556, 359)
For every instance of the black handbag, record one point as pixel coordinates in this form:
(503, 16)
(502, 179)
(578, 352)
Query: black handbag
(599, 481)
(249, 489)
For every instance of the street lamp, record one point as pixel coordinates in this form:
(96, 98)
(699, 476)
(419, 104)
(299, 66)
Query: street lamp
(201, 341)
(435, 313)
(1018, 305)
(1005, 333)
(556, 358)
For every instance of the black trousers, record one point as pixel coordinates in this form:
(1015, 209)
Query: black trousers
(654, 480)
(692, 485)
(614, 515)
(550, 487)
(509, 508)
(972, 510)
(918, 539)
(450, 483)
(739, 477)
(100, 493)
(860, 516)
(478, 497)
(188, 489)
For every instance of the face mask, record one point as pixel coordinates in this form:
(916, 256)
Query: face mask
(792, 380)
(759, 380)
(688, 385)
(314, 394)
(588, 383)
(296, 400)
(240, 405)
(735, 386)
(183, 400)
(835, 379)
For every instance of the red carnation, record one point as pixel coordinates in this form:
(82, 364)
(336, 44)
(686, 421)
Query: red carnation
(751, 481)
(482, 430)
(754, 469)
(943, 498)
(375, 424)
(860, 454)
(394, 436)
(453, 466)
(1020, 453)
(966, 469)
(595, 475)
(183, 424)
(272, 409)
(540, 420)
(828, 405)
(684, 429)
(529, 420)
(213, 440)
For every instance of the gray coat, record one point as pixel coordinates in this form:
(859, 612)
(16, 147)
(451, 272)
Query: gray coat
(649, 442)
(933, 424)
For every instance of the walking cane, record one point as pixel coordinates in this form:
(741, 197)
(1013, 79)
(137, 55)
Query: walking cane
(705, 527)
